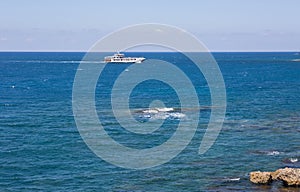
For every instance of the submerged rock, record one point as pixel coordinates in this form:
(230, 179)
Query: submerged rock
(289, 176)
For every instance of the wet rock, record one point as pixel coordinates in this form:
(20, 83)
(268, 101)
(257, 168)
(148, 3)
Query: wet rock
(289, 176)
(260, 177)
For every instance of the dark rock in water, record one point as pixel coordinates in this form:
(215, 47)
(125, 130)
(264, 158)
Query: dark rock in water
(289, 176)
(291, 161)
(270, 152)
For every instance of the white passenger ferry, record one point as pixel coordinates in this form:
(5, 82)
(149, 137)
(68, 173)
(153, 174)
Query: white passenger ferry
(120, 58)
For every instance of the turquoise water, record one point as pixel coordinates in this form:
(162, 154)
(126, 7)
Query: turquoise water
(41, 148)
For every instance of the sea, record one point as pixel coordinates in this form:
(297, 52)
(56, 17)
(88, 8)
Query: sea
(41, 147)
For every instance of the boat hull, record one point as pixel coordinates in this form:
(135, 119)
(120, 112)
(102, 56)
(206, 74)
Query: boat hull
(138, 60)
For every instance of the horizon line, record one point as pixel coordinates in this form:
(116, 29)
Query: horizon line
(133, 51)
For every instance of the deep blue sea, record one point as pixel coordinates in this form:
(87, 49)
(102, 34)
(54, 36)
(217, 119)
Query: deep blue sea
(41, 148)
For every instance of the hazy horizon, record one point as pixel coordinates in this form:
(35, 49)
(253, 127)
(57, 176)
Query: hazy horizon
(223, 26)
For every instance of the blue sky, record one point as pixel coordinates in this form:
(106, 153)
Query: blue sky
(222, 25)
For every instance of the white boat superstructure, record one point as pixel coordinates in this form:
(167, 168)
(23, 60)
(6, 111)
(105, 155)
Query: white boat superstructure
(120, 58)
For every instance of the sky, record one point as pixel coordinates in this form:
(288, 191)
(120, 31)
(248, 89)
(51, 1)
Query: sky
(222, 25)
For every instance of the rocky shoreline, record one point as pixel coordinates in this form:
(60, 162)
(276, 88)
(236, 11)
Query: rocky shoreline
(289, 177)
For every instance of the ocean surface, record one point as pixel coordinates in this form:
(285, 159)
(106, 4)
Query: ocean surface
(41, 148)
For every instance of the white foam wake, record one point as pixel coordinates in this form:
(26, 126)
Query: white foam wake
(162, 113)
(156, 110)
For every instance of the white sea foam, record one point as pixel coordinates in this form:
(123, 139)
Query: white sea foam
(150, 111)
(160, 116)
(156, 110)
(273, 153)
(162, 113)
(168, 116)
(165, 109)
(296, 60)
(270, 153)
(177, 115)
(293, 160)
(234, 179)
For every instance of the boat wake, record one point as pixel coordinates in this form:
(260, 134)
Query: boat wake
(54, 61)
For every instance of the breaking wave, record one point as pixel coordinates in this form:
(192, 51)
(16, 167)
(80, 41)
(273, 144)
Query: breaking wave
(53, 61)
(160, 113)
